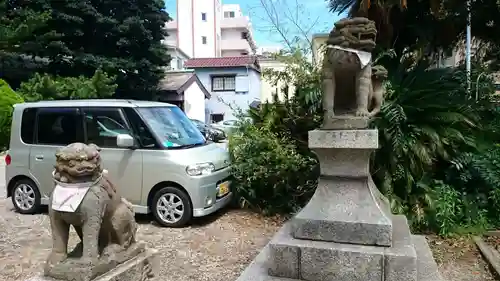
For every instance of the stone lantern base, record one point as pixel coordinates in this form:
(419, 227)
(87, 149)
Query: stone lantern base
(346, 232)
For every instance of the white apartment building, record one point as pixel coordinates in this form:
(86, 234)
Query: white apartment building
(208, 29)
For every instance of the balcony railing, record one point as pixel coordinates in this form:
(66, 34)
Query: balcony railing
(171, 25)
(238, 22)
(235, 45)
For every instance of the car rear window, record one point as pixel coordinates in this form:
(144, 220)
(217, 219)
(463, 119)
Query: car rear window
(28, 125)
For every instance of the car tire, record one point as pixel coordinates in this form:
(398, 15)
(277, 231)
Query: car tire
(172, 207)
(26, 197)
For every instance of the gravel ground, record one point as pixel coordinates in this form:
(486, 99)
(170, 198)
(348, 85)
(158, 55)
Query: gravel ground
(217, 247)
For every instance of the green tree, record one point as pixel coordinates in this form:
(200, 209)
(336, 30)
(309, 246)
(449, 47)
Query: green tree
(47, 87)
(123, 38)
(428, 27)
(14, 30)
(7, 99)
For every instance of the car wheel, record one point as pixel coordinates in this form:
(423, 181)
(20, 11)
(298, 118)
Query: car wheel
(171, 207)
(26, 197)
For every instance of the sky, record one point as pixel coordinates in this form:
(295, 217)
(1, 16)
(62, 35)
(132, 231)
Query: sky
(314, 17)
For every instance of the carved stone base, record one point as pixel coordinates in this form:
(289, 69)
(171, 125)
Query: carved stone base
(346, 122)
(143, 267)
(345, 210)
(347, 206)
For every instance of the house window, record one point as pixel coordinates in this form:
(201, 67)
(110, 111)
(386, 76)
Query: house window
(223, 83)
(229, 14)
(204, 40)
(180, 64)
(204, 16)
(216, 117)
(244, 53)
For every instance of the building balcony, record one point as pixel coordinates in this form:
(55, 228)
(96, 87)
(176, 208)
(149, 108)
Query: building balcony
(171, 25)
(241, 45)
(238, 22)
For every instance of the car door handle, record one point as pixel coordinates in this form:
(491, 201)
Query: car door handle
(39, 157)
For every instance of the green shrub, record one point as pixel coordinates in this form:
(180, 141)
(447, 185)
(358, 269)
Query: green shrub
(47, 87)
(437, 164)
(432, 135)
(7, 99)
(274, 169)
(270, 175)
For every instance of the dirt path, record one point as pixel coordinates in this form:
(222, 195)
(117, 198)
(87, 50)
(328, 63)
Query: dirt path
(459, 259)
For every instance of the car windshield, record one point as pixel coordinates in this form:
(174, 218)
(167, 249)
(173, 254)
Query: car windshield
(172, 126)
(109, 123)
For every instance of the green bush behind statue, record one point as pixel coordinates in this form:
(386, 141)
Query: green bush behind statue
(7, 99)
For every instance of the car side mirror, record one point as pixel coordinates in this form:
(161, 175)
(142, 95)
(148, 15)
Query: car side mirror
(125, 141)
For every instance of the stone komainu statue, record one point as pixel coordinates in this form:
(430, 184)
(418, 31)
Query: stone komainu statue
(351, 86)
(85, 198)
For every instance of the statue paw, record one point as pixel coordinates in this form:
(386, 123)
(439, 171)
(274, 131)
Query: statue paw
(362, 113)
(55, 258)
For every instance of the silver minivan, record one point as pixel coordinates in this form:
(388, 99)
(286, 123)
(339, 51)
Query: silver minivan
(156, 156)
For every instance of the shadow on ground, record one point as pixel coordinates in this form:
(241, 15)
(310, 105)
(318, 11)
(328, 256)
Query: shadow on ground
(197, 222)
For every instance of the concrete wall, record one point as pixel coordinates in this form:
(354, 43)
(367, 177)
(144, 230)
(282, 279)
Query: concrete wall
(267, 87)
(178, 59)
(194, 102)
(248, 86)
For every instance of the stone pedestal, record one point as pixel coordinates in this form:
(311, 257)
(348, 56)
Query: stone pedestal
(346, 207)
(143, 267)
(346, 232)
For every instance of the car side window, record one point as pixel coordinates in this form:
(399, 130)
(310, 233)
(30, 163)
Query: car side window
(140, 130)
(59, 126)
(102, 125)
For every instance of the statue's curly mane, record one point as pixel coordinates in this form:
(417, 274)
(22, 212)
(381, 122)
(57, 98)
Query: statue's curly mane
(78, 162)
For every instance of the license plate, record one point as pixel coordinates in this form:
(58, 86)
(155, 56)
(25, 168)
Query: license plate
(223, 189)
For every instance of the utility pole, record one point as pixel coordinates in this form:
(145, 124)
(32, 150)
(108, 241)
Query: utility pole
(468, 47)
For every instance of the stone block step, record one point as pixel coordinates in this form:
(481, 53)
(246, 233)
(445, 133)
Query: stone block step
(426, 265)
(302, 259)
(258, 269)
(400, 262)
(427, 269)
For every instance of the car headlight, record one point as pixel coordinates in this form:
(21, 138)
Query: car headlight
(200, 169)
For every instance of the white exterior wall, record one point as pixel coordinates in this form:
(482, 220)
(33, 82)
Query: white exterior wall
(191, 28)
(204, 28)
(178, 59)
(218, 32)
(185, 26)
(267, 87)
(230, 53)
(194, 102)
(231, 34)
(232, 8)
(245, 93)
(187, 30)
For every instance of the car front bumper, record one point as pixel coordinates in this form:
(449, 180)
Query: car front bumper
(203, 192)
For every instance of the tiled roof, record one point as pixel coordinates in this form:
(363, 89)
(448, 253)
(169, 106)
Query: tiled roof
(174, 81)
(179, 81)
(242, 61)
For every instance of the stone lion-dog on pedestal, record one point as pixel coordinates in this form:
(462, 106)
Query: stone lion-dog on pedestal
(85, 198)
(351, 85)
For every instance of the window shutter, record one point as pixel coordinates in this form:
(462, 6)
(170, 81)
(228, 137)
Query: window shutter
(242, 83)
